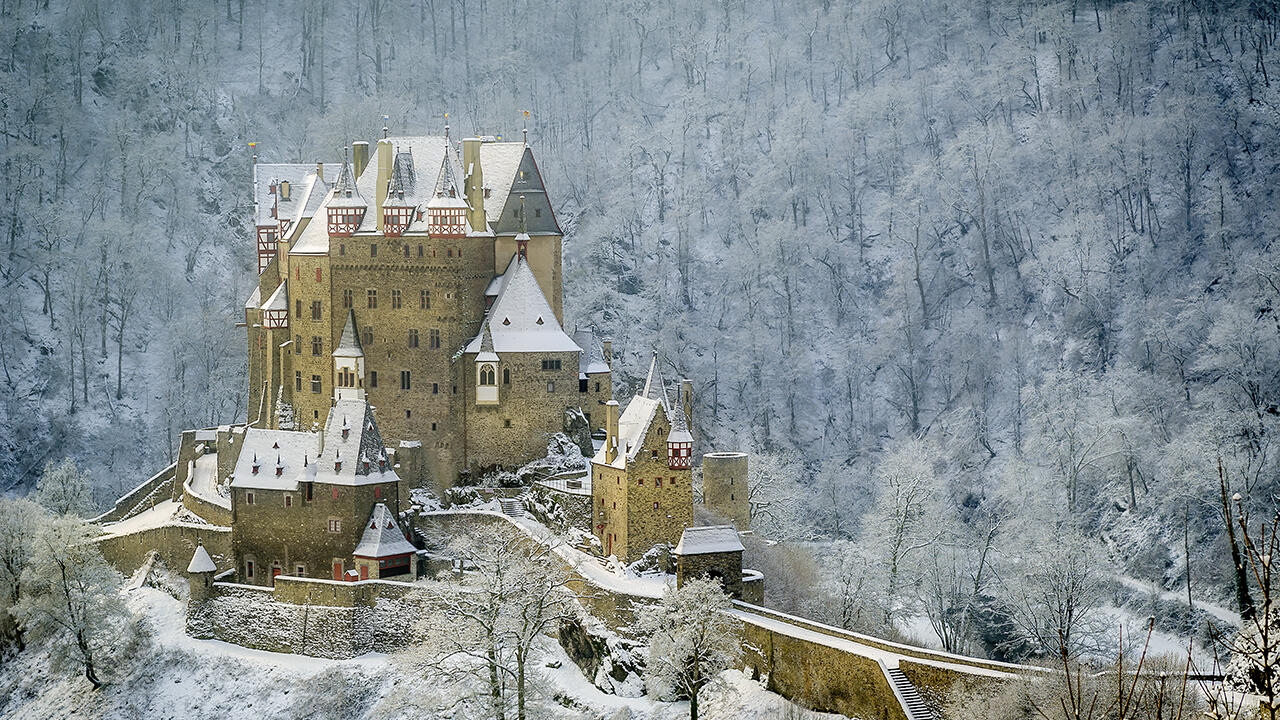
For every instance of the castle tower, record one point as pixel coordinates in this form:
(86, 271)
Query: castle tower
(348, 363)
(200, 575)
(724, 487)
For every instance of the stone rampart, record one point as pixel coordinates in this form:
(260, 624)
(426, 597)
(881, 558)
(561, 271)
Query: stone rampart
(137, 499)
(320, 618)
(211, 511)
(174, 544)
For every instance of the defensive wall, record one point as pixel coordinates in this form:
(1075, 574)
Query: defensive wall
(174, 543)
(307, 616)
(152, 490)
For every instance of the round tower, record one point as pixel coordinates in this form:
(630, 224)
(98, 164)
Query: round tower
(200, 575)
(724, 487)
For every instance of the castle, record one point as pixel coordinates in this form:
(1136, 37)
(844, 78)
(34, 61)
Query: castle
(429, 284)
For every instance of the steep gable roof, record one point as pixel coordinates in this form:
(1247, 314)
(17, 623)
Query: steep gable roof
(382, 536)
(521, 319)
(349, 343)
(499, 163)
(709, 539)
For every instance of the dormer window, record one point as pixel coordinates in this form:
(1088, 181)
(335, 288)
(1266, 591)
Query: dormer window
(344, 220)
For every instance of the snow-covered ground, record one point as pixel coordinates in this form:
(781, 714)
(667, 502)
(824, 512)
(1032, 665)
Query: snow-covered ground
(177, 677)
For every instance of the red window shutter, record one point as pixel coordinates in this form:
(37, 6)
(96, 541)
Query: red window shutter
(335, 493)
(317, 274)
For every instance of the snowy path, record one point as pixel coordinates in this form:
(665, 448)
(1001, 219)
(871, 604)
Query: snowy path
(1226, 615)
(204, 481)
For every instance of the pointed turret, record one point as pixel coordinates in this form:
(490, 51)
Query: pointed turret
(399, 207)
(348, 363)
(446, 211)
(345, 206)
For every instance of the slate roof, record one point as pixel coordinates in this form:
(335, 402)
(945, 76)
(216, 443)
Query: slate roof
(709, 539)
(201, 562)
(279, 299)
(521, 320)
(349, 342)
(311, 457)
(499, 162)
(382, 536)
(591, 360)
(299, 177)
(346, 193)
(633, 425)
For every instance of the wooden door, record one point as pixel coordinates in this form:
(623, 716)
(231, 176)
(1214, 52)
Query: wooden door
(337, 570)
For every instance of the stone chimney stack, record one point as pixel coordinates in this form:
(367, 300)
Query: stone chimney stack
(473, 181)
(611, 428)
(360, 156)
(384, 176)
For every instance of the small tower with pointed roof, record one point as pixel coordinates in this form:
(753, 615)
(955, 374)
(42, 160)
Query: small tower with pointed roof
(346, 208)
(348, 363)
(200, 573)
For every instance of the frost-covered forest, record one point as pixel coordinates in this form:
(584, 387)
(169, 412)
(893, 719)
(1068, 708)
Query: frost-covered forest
(971, 280)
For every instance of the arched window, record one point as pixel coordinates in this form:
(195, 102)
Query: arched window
(488, 375)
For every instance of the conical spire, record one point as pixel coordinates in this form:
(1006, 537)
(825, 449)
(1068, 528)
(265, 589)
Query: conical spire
(345, 193)
(349, 343)
(403, 176)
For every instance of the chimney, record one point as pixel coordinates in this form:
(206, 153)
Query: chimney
(607, 346)
(474, 182)
(360, 156)
(255, 463)
(337, 462)
(320, 170)
(384, 176)
(686, 401)
(611, 431)
(279, 466)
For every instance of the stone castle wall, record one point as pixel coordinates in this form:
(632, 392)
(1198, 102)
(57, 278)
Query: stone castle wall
(157, 487)
(724, 487)
(309, 617)
(174, 544)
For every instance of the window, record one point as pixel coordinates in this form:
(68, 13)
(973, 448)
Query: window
(657, 482)
(373, 250)
(307, 488)
(435, 388)
(597, 386)
(488, 375)
(435, 339)
(537, 212)
(655, 506)
(424, 299)
(450, 252)
(553, 364)
(551, 387)
(342, 248)
(316, 344)
(639, 481)
(366, 337)
(301, 570)
(372, 296)
(315, 384)
(335, 493)
(419, 251)
(408, 414)
(433, 427)
(297, 346)
(248, 568)
(318, 274)
(413, 338)
(297, 308)
(582, 385)
(506, 376)
(506, 422)
(373, 383)
(406, 251)
(346, 299)
(315, 309)
(297, 379)
(288, 500)
(653, 454)
(335, 525)
(404, 380)
(395, 299)
(377, 492)
(248, 498)
(346, 378)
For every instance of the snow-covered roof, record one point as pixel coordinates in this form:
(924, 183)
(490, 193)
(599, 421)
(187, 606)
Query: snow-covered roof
(429, 153)
(255, 299)
(299, 176)
(499, 162)
(279, 299)
(382, 537)
(709, 539)
(591, 360)
(632, 426)
(346, 193)
(349, 342)
(521, 320)
(314, 239)
(201, 562)
(358, 459)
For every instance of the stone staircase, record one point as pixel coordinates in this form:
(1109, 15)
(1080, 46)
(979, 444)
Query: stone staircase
(912, 703)
(514, 507)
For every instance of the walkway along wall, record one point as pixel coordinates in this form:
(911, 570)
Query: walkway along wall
(174, 544)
